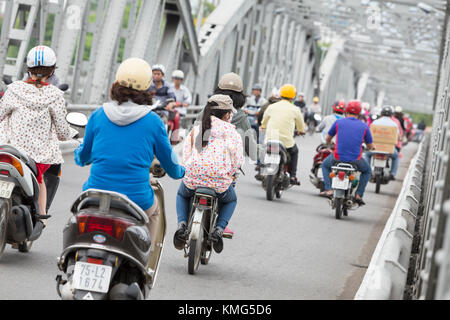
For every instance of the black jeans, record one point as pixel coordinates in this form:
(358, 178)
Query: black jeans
(293, 152)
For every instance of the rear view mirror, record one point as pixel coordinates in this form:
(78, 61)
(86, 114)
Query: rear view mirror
(77, 119)
(63, 87)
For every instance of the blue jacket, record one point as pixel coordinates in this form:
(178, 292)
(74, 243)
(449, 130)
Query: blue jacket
(121, 154)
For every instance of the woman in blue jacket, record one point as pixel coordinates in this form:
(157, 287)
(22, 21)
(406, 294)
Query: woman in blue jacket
(123, 137)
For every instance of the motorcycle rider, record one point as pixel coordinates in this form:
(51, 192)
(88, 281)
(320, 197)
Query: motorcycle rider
(254, 103)
(33, 116)
(212, 154)
(122, 139)
(350, 134)
(385, 120)
(161, 89)
(280, 120)
(328, 121)
(301, 102)
(398, 113)
(313, 109)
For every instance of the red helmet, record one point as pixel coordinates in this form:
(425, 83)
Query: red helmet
(353, 107)
(339, 106)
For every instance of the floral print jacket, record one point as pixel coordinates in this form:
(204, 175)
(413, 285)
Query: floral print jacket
(33, 120)
(216, 164)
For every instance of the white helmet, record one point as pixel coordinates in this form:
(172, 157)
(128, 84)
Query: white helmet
(159, 67)
(178, 74)
(41, 56)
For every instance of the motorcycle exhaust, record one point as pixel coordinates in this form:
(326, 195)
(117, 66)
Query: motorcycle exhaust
(349, 203)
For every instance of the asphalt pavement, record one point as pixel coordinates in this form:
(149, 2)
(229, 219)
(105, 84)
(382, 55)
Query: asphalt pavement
(291, 248)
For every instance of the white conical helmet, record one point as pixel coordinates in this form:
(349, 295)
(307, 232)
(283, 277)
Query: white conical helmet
(41, 56)
(178, 74)
(134, 73)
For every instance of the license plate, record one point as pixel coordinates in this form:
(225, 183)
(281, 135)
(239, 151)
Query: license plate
(6, 189)
(340, 184)
(92, 277)
(272, 159)
(379, 163)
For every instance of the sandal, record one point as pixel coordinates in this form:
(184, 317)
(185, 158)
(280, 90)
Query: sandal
(327, 194)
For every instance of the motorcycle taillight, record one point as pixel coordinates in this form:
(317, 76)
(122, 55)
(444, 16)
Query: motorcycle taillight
(113, 227)
(12, 161)
(380, 156)
(203, 201)
(341, 175)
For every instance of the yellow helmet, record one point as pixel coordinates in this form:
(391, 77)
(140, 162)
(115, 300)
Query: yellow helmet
(316, 99)
(134, 73)
(288, 91)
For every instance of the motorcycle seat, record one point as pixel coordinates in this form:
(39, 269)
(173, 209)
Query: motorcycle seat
(29, 162)
(206, 192)
(115, 204)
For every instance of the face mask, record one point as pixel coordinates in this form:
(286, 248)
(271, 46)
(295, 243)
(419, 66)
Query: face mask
(231, 118)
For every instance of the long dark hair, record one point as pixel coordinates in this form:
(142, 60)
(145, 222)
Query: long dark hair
(238, 98)
(202, 139)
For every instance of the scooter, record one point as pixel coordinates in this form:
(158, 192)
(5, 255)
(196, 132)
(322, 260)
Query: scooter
(345, 180)
(20, 218)
(275, 170)
(107, 250)
(168, 118)
(316, 175)
(381, 162)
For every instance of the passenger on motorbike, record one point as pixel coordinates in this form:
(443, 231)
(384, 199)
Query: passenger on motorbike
(328, 121)
(385, 120)
(280, 121)
(182, 93)
(212, 154)
(350, 134)
(33, 116)
(301, 102)
(122, 139)
(231, 85)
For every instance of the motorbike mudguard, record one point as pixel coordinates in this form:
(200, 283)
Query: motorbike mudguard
(52, 179)
(20, 224)
(196, 224)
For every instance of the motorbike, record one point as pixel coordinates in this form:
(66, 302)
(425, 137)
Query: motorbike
(316, 175)
(381, 162)
(311, 124)
(345, 180)
(20, 218)
(202, 221)
(275, 170)
(168, 118)
(107, 249)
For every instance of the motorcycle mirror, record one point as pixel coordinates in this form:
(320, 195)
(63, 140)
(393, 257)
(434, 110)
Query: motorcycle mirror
(77, 119)
(63, 87)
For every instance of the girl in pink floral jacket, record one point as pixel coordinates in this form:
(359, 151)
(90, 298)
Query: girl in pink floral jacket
(212, 154)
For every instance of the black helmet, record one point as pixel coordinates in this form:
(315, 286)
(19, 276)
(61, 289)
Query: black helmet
(387, 111)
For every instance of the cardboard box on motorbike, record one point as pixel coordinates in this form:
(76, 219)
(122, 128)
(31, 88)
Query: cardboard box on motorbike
(385, 138)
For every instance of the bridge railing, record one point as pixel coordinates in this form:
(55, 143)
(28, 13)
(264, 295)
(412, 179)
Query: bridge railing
(386, 276)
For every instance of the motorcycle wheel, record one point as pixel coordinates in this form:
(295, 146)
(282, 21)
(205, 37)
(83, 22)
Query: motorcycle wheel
(270, 187)
(195, 252)
(3, 225)
(25, 246)
(378, 183)
(338, 203)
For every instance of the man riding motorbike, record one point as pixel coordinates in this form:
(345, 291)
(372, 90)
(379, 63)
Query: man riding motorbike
(328, 121)
(253, 107)
(350, 134)
(212, 154)
(280, 121)
(301, 102)
(122, 139)
(33, 117)
(385, 120)
(313, 109)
